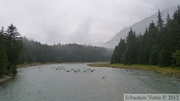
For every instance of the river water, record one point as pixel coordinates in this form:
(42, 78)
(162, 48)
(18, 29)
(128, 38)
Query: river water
(79, 82)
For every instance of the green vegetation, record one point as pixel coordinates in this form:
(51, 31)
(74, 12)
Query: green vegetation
(159, 45)
(16, 50)
(176, 56)
(36, 52)
(10, 50)
(164, 70)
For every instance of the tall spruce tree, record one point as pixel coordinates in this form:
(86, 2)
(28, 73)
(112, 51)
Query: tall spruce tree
(160, 21)
(14, 48)
(168, 19)
(118, 51)
(130, 51)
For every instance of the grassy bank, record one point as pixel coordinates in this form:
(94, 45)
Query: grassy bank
(163, 70)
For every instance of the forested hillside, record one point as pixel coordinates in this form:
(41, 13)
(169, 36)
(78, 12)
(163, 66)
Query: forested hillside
(159, 45)
(10, 49)
(15, 49)
(139, 27)
(36, 52)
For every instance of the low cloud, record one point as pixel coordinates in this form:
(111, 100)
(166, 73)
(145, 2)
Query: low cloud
(81, 21)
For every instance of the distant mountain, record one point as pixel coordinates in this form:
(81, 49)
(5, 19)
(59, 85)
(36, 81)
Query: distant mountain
(138, 27)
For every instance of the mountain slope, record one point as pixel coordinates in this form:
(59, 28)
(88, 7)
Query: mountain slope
(138, 27)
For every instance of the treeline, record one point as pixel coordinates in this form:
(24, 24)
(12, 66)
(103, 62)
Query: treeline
(36, 52)
(159, 45)
(10, 50)
(17, 50)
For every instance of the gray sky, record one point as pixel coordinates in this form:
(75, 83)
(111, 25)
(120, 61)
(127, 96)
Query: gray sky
(76, 21)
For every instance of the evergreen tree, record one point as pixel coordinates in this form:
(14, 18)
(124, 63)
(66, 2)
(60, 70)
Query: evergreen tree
(160, 22)
(14, 48)
(12, 31)
(157, 46)
(153, 58)
(176, 56)
(37, 52)
(168, 19)
(117, 54)
(10, 50)
(130, 51)
(3, 57)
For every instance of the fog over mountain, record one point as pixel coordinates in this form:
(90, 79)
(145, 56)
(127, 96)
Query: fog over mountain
(139, 27)
(76, 21)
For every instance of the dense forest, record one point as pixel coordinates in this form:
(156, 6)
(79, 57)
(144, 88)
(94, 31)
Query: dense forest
(36, 52)
(159, 45)
(10, 50)
(15, 50)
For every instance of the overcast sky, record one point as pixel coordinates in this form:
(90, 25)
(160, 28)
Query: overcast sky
(76, 21)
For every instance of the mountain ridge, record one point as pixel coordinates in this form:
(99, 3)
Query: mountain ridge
(138, 27)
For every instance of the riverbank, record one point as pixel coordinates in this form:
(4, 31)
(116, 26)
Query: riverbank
(5, 78)
(163, 70)
(34, 64)
(29, 64)
(47, 63)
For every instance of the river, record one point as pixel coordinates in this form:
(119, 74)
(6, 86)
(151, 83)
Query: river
(79, 82)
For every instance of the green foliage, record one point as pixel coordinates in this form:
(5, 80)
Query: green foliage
(117, 54)
(37, 52)
(155, 47)
(160, 22)
(11, 48)
(176, 56)
(3, 57)
(153, 58)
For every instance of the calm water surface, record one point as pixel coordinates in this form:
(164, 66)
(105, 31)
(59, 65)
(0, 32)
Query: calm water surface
(79, 82)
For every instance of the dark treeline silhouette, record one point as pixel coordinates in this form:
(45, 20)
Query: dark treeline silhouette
(10, 50)
(36, 52)
(17, 50)
(159, 45)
